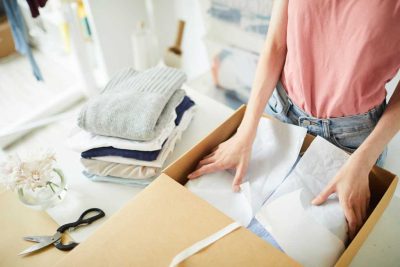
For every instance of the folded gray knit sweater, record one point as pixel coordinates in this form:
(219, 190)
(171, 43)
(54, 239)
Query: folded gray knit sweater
(134, 105)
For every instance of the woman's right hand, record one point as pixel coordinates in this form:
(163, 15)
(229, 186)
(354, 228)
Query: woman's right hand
(234, 153)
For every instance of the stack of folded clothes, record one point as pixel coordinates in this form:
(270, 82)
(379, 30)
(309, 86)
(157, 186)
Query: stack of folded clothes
(126, 133)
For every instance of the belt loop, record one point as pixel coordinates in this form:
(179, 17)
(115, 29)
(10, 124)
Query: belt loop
(377, 112)
(285, 100)
(326, 128)
(303, 121)
(373, 114)
(290, 101)
(287, 106)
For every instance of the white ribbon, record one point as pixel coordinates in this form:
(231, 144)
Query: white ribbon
(196, 247)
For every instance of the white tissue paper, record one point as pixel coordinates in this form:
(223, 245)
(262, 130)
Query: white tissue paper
(216, 189)
(312, 235)
(275, 150)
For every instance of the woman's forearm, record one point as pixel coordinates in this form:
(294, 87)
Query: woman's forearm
(267, 75)
(385, 130)
(268, 72)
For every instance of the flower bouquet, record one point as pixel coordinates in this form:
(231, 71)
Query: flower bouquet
(39, 183)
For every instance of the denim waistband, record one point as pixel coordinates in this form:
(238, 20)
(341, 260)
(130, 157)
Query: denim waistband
(335, 125)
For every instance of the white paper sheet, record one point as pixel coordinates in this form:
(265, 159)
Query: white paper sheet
(216, 189)
(319, 164)
(298, 234)
(275, 150)
(308, 233)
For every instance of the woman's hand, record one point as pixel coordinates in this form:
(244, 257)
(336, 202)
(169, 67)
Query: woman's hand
(352, 187)
(234, 153)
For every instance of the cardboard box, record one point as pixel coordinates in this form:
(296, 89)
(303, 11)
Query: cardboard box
(6, 40)
(166, 218)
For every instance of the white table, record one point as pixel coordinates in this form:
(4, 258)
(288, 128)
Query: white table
(381, 248)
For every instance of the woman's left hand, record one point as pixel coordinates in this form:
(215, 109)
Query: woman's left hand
(351, 185)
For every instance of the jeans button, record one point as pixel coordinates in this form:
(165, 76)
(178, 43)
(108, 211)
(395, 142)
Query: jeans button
(305, 123)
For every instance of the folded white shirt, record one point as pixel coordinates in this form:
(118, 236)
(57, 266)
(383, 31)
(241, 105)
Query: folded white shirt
(166, 149)
(81, 140)
(312, 235)
(275, 150)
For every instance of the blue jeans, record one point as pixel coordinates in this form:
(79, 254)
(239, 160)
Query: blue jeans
(347, 133)
(260, 231)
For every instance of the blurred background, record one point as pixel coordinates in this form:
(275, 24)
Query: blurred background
(65, 51)
(77, 45)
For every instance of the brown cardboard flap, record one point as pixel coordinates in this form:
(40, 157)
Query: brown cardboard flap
(161, 221)
(17, 221)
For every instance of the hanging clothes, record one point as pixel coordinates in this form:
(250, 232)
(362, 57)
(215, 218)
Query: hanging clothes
(34, 6)
(20, 34)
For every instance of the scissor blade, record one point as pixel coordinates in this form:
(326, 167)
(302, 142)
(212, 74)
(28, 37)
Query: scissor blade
(34, 248)
(37, 239)
(47, 240)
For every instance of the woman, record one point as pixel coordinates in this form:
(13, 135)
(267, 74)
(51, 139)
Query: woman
(329, 61)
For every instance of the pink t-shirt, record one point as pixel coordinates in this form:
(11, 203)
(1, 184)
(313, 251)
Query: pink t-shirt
(340, 54)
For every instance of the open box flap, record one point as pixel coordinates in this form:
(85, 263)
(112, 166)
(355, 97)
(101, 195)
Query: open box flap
(163, 220)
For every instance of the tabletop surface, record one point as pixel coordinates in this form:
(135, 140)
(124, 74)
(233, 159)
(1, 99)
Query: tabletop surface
(381, 247)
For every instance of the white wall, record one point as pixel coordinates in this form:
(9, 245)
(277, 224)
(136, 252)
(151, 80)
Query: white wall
(195, 60)
(113, 22)
(167, 14)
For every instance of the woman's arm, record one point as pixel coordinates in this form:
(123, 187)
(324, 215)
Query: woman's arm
(235, 152)
(385, 130)
(268, 71)
(351, 183)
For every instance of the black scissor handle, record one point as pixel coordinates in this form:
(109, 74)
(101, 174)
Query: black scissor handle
(65, 247)
(82, 220)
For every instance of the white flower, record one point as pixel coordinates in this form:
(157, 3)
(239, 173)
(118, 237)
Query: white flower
(31, 171)
(10, 172)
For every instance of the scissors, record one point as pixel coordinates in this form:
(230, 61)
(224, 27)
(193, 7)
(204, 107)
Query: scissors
(44, 241)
